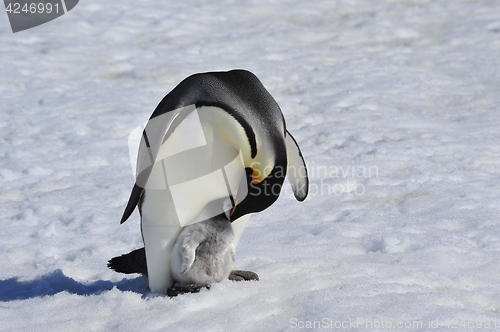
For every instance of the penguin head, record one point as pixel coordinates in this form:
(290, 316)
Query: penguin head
(263, 153)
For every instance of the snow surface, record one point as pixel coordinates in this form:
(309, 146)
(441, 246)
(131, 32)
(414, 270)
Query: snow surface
(395, 105)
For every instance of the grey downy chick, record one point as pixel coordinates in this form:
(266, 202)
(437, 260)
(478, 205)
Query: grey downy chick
(203, 254)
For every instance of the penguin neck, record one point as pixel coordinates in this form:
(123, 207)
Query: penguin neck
(220, 126)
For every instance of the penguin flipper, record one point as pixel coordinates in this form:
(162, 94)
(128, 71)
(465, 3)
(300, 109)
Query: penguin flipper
(133, 262)
(296, 169)
(187, 249)
(134, 199)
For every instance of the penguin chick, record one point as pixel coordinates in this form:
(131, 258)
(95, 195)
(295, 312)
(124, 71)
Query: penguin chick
(203, 253)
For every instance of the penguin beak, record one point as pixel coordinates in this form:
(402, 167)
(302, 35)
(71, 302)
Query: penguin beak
(257, 176)
(234, 208)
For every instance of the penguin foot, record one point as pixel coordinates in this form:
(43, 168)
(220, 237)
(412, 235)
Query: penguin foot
(239, 275)
(179, 289)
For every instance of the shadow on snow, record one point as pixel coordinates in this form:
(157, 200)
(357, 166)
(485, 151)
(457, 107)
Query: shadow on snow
(57, 282)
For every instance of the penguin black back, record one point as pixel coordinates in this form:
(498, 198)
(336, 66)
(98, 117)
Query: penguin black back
(242, 95)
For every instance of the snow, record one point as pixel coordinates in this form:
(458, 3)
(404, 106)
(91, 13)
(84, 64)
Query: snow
(393, 103)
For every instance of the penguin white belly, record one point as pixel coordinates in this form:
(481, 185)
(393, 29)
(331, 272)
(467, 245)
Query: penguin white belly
(168, 207)
(238, 227)
(203, 252)
(159, 234)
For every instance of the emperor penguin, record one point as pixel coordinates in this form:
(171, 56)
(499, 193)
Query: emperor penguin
(190, 220)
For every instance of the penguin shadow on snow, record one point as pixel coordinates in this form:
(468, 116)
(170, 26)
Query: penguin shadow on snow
(56, 282)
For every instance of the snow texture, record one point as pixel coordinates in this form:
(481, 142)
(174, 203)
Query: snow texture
(395, 105)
